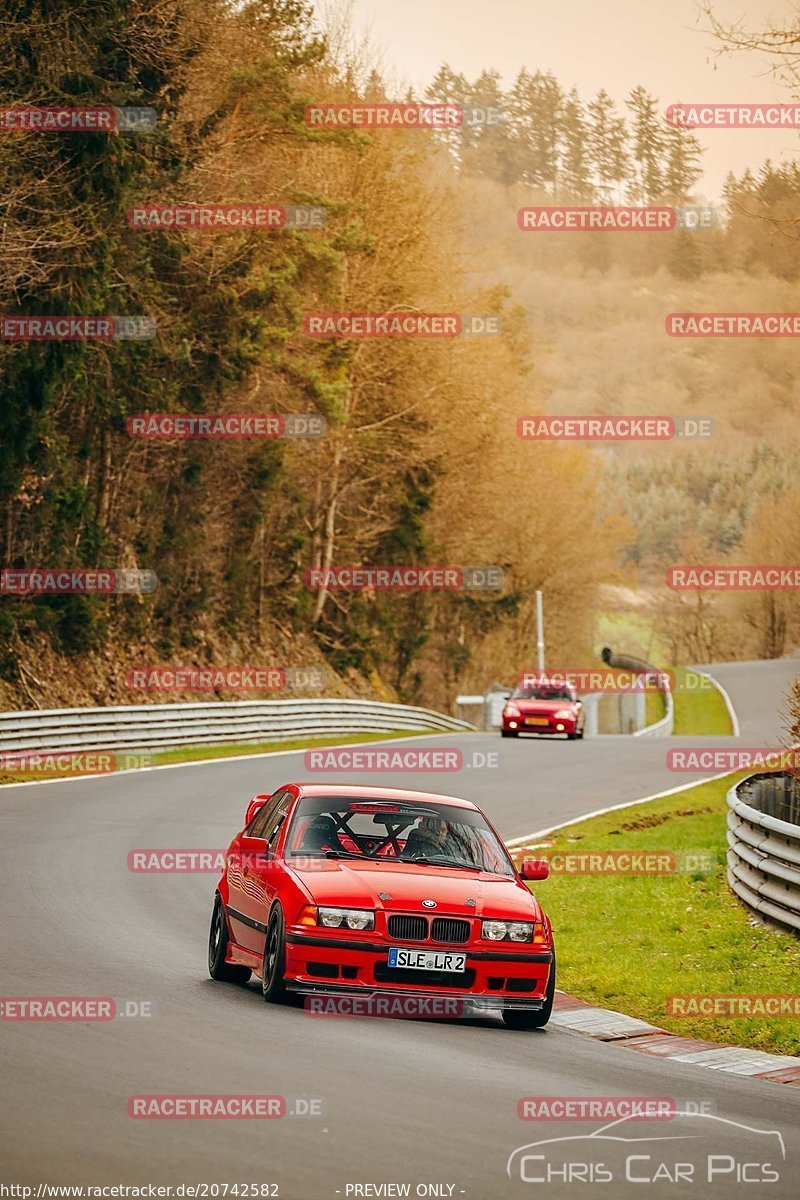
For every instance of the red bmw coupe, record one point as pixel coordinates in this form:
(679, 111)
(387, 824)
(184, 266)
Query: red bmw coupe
(368, 890)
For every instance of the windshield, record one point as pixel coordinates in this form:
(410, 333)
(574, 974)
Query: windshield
(439, 834)
(543, 692)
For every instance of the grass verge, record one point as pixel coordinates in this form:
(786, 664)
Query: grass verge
(700, 708)
(630, 942)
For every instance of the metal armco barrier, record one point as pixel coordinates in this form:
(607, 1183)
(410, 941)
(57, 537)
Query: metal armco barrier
(764, 846)
(665, 726)
(153, 726)
(639, 666)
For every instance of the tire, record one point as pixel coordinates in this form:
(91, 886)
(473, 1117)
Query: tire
(273, 988)
(508, 733)
(218, 969)
(520, 1018)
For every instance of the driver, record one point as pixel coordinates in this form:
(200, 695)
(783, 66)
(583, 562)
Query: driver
(321, 834)
(428, 839)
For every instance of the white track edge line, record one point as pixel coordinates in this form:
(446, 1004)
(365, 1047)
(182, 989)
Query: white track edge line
(228, 758)
(737, 732)
(599, 812)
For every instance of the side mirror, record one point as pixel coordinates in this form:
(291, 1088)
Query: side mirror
(534, 868)
(253, 807)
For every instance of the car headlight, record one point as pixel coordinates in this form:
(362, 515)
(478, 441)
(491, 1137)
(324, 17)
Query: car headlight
(499, 931)
(564, 712)
(511, 710)
(347, 918)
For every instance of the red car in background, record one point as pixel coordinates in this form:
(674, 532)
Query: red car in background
(341, 890)
(552, 708)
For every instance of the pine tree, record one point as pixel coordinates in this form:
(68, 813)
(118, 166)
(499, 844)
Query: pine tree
(648, 145)
(607, 147)
(486, 141)
(683, 164)
(535, 103)
(450, 87)
(575, 179)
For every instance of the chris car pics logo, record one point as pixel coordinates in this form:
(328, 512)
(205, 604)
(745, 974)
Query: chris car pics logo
(693, 1149)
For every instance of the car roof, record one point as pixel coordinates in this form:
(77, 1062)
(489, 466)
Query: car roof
(362, 792)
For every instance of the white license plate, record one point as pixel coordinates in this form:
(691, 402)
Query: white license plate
(426, 960)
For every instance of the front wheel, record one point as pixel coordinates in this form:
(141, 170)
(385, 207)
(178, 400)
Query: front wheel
(272, 986)
(218, 969)
(521, 1018)
(508, 733)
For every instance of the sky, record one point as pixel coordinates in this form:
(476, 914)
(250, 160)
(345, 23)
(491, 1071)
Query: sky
(665, 45)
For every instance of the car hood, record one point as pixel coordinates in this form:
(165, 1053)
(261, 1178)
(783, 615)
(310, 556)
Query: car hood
(542, 706)
(350, 883)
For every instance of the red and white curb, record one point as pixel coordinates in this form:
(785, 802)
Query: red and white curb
(608, 1026)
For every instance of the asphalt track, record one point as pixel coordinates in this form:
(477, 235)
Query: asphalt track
(418, 1103)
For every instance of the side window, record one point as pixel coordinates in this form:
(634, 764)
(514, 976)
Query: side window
(261, 819)
(275, 824)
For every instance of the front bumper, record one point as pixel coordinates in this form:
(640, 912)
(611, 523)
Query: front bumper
(518, 725)
(367, 1001)
(493, 977)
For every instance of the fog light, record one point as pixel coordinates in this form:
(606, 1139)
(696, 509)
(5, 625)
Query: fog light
(560, 728)
(512, 724)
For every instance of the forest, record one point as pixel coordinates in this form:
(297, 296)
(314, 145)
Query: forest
(419, 462)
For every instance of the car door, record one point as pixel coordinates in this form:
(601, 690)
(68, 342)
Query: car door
(270, 876)
(247, 873)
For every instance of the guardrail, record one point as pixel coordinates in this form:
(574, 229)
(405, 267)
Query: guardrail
(764, 846)
(665, 726)
(628, 662)
(153, 726)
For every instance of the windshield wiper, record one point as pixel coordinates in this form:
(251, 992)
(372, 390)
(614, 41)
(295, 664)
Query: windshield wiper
(325, 854)
(448, 862)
